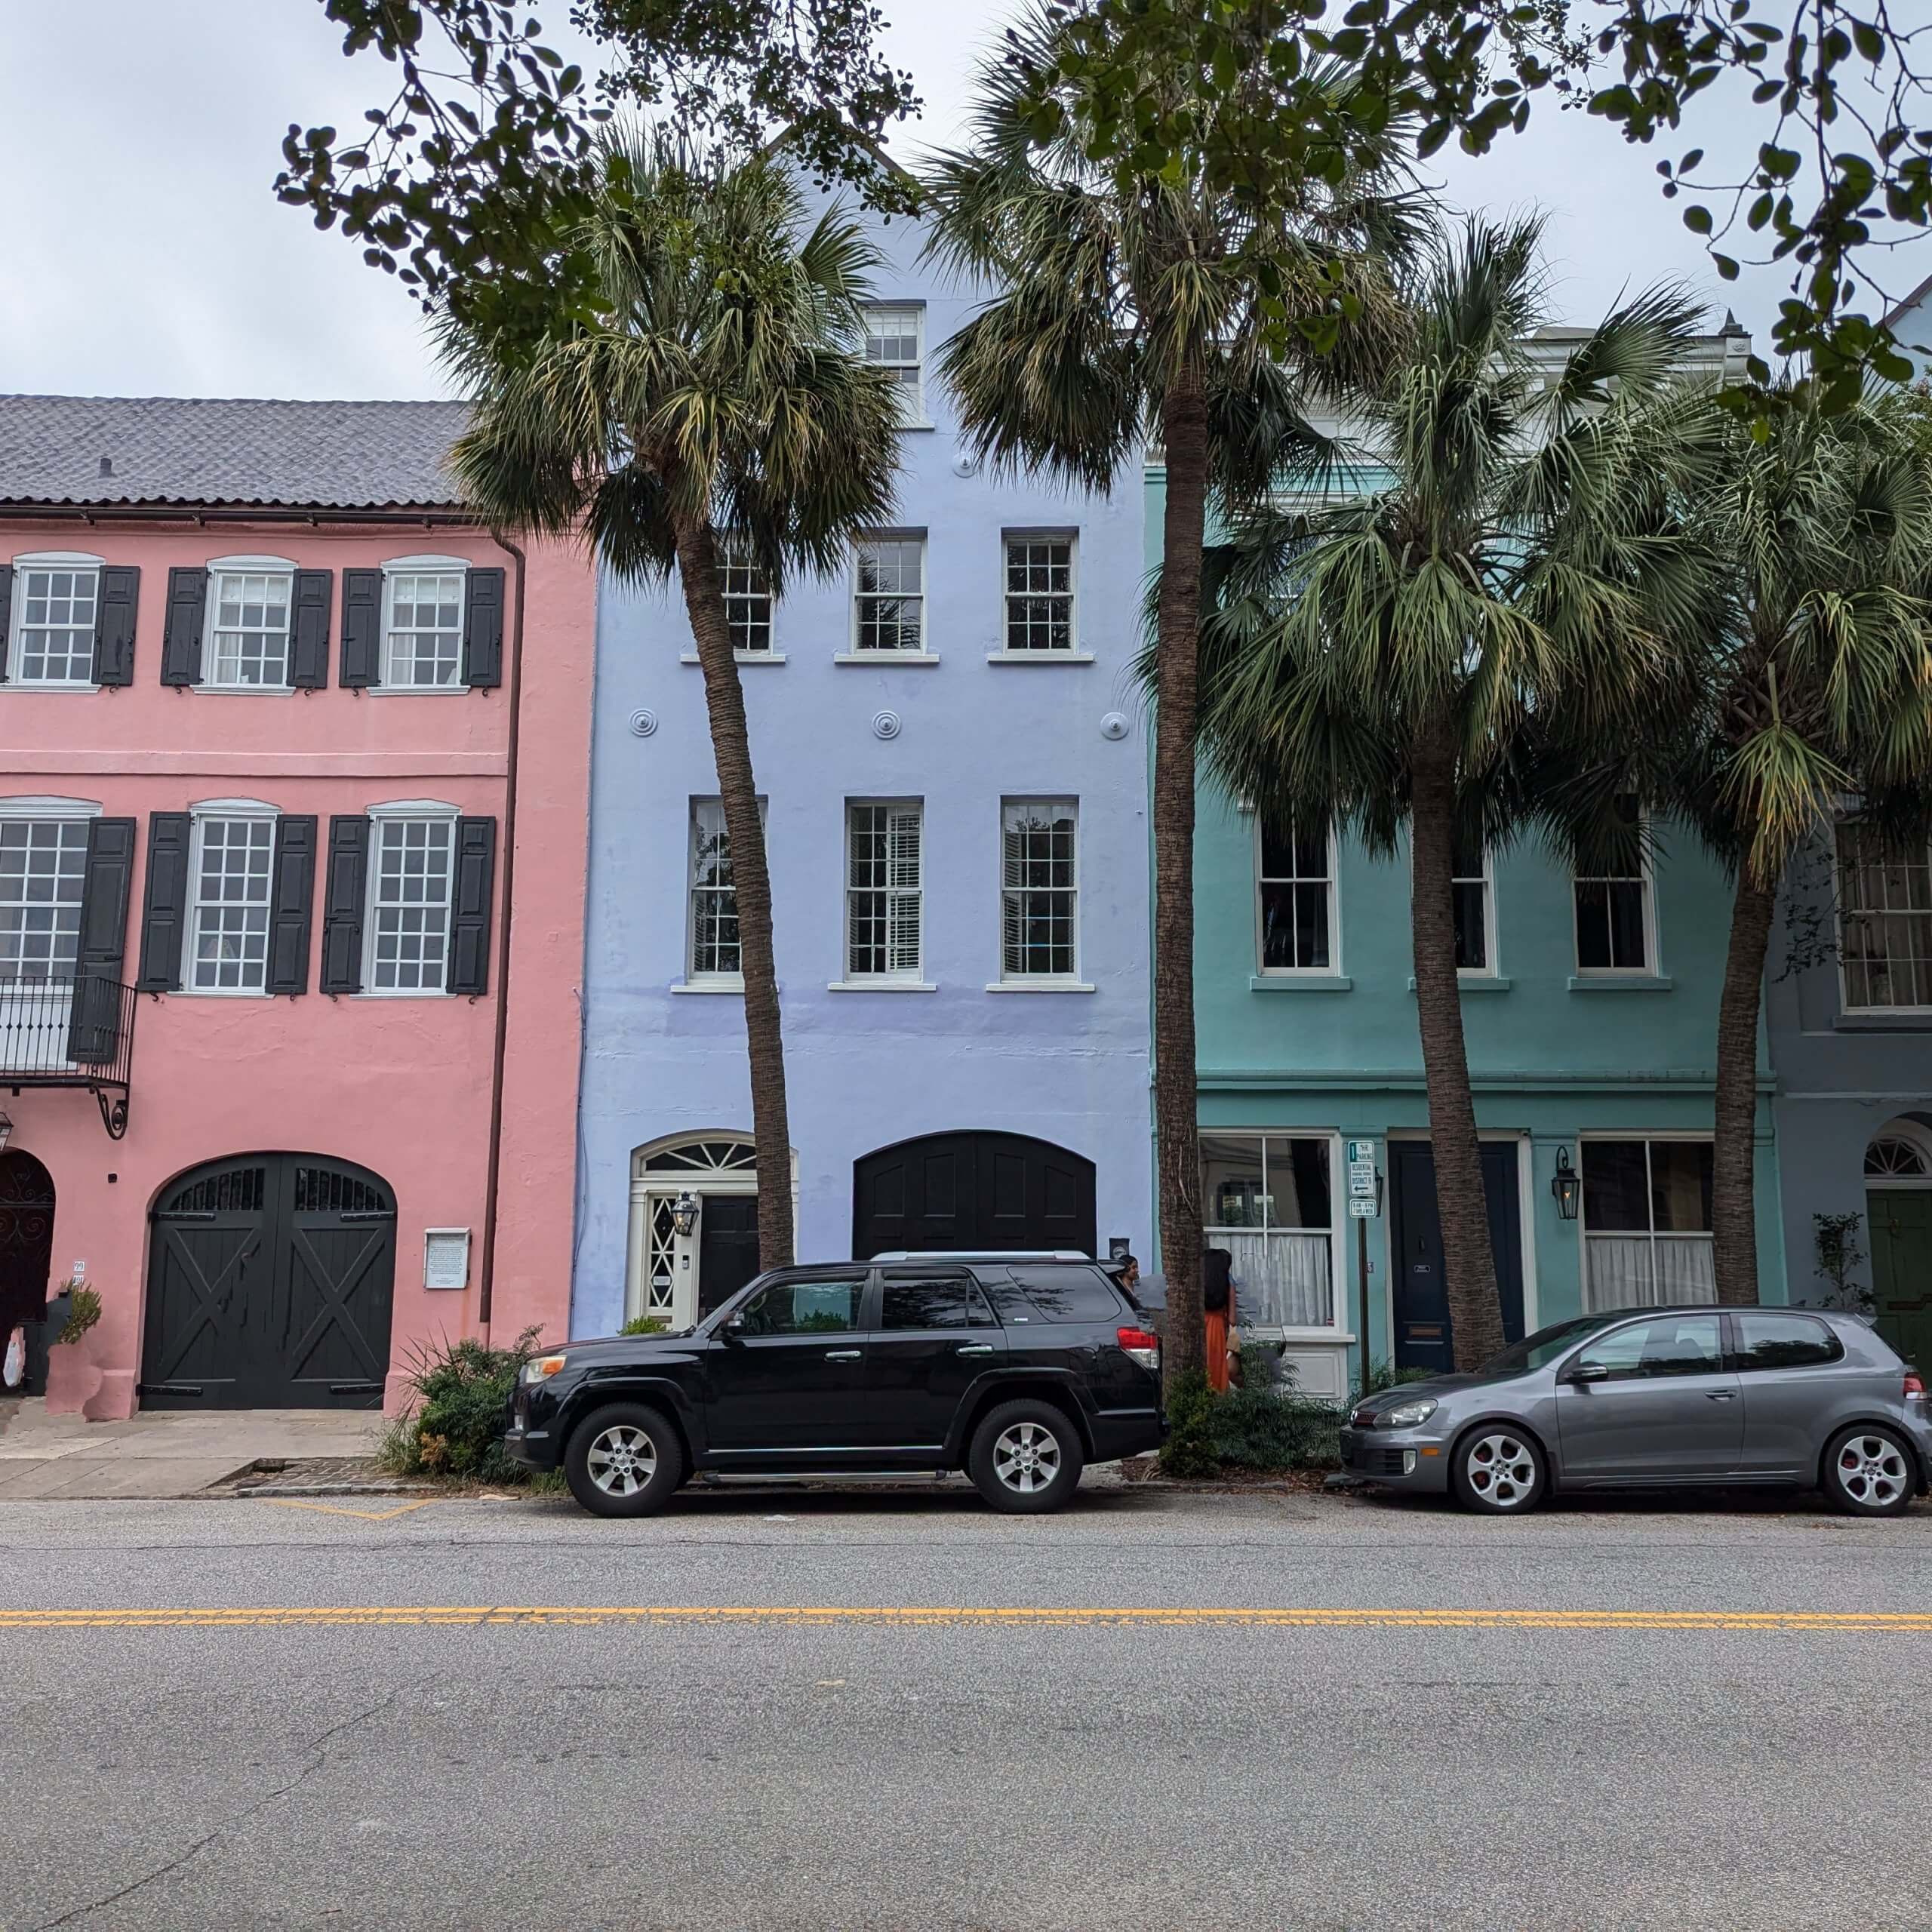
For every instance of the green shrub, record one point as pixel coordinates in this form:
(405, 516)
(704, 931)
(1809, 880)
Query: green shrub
(1382, 1376)
(83, 1310)
(1189, 1451)
(645, 1324)
(462, 1392)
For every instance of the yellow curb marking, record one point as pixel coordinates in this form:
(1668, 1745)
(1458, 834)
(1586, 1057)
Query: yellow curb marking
(333, 1509)
(921, 1616)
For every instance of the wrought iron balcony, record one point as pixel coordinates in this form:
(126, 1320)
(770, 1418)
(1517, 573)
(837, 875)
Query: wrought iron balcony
(75, 1031)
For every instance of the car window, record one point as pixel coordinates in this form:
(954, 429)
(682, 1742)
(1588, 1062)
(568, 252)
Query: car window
(1667, 1345)
(804, 1308)
(1048, 1292)
(1765, 1340)
(923, 1301)
(1540, 1350)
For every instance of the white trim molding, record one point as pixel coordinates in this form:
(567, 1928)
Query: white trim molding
(50, 807)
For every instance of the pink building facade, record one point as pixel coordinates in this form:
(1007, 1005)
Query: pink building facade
(294, 799)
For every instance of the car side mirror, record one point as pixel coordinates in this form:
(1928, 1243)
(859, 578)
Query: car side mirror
(1589, 1371)
(733, 1327)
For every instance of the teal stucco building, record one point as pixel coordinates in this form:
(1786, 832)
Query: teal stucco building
(1590, 1012)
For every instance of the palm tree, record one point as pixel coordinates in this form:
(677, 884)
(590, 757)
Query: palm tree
(1135, 305)
(714, 383)
(1509, 551)
(1817, 684)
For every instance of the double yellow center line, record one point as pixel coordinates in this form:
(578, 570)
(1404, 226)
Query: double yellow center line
(922, 1616)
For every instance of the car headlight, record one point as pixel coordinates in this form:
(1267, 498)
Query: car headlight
(540, 1368)
(1408, 1415)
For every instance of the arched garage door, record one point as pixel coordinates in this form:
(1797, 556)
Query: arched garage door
(270, 1281)
(972, 1190)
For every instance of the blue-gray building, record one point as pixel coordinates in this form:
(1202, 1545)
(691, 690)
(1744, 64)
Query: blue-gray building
(954, 769)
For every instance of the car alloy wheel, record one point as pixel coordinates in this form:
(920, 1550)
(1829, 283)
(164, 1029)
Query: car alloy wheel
(1871, 1471)
(1027, 1458)
(623, 1460)
(1501, 1470)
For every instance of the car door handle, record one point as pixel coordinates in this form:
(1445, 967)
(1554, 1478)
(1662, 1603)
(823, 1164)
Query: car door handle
(974, 1348)
(843, 1354)
(1720, 1395)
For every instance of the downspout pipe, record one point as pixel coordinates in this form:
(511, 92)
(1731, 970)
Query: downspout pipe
(488, 1272)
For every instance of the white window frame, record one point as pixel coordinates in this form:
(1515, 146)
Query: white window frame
(218, 568)
(200, 817)
(913, 395)
(55, 560)
(1067, 982)
(854, 652)
(404, 811)
(912, 976)
(1333, 970)
(32, 811)
(734, 552)
(1074, 653)
(1846, 1003)
(694, 981)
(1644, 877)
(428, 565)
(1490, 969)
(1648, 1136)
(1337, 1329)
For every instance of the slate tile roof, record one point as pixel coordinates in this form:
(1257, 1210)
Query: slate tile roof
(107, 450)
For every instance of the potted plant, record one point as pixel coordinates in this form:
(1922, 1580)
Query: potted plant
(73, 1377)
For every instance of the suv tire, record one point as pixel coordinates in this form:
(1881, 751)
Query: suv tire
(1026, 1457)
(1869, 1472)
(624, 1460)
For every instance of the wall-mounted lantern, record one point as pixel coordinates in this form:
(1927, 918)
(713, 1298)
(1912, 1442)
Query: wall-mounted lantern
(684, 1213)
(1567, 1186)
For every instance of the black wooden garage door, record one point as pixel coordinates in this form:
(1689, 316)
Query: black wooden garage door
(972, 1190)
(270, 1280)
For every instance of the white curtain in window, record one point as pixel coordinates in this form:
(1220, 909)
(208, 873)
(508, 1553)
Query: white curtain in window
(1619, 1274)
(1282, 1280)
(1685, 1269)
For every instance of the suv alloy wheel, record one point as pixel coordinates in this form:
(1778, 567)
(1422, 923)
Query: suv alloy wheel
(624, 1460)
(1026, 1457)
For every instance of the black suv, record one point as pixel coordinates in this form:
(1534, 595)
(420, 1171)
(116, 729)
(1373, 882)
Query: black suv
(1019, 1369)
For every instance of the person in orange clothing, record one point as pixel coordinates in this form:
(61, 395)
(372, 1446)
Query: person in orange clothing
(1217, 1303)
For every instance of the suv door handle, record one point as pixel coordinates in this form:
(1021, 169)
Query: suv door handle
(843, 1354)
(974, 1348)
(1720, 1395)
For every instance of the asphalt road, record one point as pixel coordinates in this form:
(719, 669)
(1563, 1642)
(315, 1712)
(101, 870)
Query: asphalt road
(240, 1714)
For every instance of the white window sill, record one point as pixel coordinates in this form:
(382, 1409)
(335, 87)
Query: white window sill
(1475, 983)
(880, 987)
(52, 684)
(919, 425)
(1884, 1020)
(733, 986)
(1042, 985)
(224, 992)
(457, 689)
(245, 690)
(884, 658)
(1299, 983)
(1620, 983)
(400, 993)
(1040, 657)
(743, 656)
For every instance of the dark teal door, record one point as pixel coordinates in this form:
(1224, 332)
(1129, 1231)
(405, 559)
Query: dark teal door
(1423, 1336)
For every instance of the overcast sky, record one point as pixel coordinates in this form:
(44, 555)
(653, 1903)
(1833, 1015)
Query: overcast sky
(146, 255)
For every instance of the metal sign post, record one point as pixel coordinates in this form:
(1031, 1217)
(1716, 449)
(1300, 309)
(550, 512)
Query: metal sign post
(1365, 1204)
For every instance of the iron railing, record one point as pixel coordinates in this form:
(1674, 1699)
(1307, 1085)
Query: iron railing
(77, 1031)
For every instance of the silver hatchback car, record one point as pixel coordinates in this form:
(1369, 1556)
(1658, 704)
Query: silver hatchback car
(1645, 1398)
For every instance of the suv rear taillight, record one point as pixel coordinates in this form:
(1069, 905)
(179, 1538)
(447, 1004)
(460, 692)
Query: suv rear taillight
(1914, 1387)
(1144, 1347)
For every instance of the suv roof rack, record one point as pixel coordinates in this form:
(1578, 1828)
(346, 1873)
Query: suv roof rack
(984, 1254)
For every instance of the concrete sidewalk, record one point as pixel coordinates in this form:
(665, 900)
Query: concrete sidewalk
(163, 1453)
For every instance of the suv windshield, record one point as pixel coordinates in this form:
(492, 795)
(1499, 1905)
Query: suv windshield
(1538, 1350)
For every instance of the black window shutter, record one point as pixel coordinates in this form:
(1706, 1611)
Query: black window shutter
(95, 1026)
(361, 629)
(291, 899)
(114, 624)
(181, 639)
(483, 630)
(342, 899)
(469, 911)
(308, 629)
(6, 613)
(164, 905)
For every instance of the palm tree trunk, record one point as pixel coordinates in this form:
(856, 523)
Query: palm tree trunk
(737, 792)
(1176, 1126)
(1476, 1309)
(1733, 1205)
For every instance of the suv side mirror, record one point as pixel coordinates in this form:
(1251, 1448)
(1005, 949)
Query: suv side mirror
(1588, 1371)
(732, 1327)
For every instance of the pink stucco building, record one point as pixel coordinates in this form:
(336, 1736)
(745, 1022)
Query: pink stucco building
(293, 791)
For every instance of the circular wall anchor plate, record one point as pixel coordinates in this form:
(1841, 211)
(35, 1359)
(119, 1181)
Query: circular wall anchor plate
(643, 723)
(1114, 725)
(963, 465)
(886, 724)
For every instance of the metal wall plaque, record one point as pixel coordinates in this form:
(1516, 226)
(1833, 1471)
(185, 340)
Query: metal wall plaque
(446, 1258)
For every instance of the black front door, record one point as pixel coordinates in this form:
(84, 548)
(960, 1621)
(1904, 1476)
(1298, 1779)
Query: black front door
(726, 1248)
(27, 1240)
(972, 1191)
(1423, 1337)
(270, 1282)
(791, 1373)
